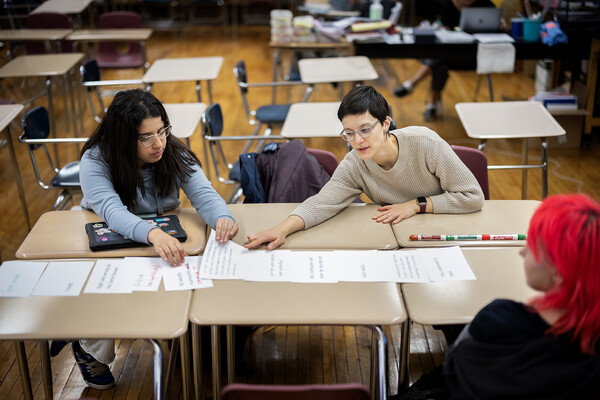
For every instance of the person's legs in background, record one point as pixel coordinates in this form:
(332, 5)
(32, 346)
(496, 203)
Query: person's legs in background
(439, 77)
(93, 357)
(408, 86)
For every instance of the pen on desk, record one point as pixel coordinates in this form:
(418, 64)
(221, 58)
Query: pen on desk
(469, 237)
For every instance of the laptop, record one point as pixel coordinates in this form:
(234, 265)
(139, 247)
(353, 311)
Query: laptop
(101, 237)
(480, 19)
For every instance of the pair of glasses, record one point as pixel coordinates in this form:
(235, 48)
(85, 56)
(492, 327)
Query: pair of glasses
(149, 140)
(364, 133)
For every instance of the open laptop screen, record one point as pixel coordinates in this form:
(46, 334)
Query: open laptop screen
(480, 19)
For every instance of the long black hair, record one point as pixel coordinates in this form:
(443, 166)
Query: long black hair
(117, 139)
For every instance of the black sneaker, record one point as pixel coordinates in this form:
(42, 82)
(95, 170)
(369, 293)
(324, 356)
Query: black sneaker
(56, 346)
(430, 114)
(402, 91)
(96, 374)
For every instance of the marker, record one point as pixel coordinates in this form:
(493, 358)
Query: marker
(468, 237)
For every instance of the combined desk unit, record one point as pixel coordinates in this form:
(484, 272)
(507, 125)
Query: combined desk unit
(185, 69)
(184, 118)
(310, 120)
(8, 113)
(497, 217)
(71, 7)
(151, 315)
(512, 120)
(61, 234)
(23, 35)
(348, 303)
(335, 70)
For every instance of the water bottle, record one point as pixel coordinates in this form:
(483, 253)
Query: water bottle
(376, 10)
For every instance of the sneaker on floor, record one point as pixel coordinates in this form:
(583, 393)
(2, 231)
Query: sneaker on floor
(430, 114)
(56, 346)
(403, 90)
(96, 374)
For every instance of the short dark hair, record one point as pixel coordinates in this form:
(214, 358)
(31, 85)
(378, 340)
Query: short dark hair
(361, 99)
(117, 136)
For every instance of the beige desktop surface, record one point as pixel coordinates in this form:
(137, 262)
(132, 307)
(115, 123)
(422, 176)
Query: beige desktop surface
(63, 6)
(184, 117)
(496, 217)
(34, 34)
(336, 69)
(157, 315)
(265, 303)
(351, 229)
(183, 69)
(113, 35)
(61, 234)
(308, 120)
(8, 112)
(499, 273)
(40, 65)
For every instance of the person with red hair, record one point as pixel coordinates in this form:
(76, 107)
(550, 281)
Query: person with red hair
(548, 348)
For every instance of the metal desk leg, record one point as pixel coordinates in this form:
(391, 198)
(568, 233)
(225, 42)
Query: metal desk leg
(69, 88)
(197, 360)
(199, 92)
(404, 353)
(382, 365)
(158, 369)
(230, 333)
(524, 153)
(18, 180)
(185, 366)
(23, 370)
(544, 167)
(276, 54)
(170, 367)
(216, 361)
(309, 90)
(52, 117)
(46, 368)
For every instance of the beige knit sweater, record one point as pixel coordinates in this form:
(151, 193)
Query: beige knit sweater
(426, 166)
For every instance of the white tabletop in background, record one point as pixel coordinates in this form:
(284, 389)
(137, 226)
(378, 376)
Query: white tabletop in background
(8, 112)
(62, 6)
(184, 117)
(116, 35)
(336, 69)
(40, 65)
(183, 69)
(34, 34)
(309, 120)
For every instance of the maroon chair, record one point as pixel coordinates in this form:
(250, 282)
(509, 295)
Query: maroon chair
(476, 161)
(48, 21)
(327, 159)
(122, 54)
(342, 391)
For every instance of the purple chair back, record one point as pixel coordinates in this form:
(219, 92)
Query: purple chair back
(48, 21)
(476, 161)
(120, 55)
(327, 159)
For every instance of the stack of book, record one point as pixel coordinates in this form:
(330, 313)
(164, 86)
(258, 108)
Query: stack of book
(556, 100)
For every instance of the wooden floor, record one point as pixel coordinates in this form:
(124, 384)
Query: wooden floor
(284, 354)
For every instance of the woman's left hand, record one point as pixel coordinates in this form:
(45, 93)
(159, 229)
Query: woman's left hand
(395, 213)
(225, 229)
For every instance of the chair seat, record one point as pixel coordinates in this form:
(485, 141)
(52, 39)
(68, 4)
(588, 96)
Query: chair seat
(120, 61)
(235, 173)
(68, 176)
(272, 113)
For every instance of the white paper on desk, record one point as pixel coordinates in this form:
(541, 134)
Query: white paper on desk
(447, 36)
(267, 266)
(495, 58)
(406, 266)
(493, 38)
(362, 266)
(18, 278)
(110, 276)
(313, 266)
(147, 272)
(63, 278)
(446, 264)
(186, 276)
(221, 260)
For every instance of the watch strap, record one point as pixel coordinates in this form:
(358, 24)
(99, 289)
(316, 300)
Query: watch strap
(422, 202)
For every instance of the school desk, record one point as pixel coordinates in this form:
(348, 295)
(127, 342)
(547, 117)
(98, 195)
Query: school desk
(184, 118)
(151, 315)
(335, 70)
(498, 217)
(351, 229)
(185, 69)
(310, 120)
(24, 35)
(61, 234)
(499, 273)
(46, 66)
(234, 302)
(512, 120)
(8, 113)
(71, 7)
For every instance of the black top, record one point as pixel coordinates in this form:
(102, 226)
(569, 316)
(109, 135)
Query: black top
(451, 15)
(510, 355)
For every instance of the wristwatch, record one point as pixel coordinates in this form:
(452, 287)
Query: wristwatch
(422, 202)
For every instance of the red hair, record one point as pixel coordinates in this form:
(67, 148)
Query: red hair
(566, 229)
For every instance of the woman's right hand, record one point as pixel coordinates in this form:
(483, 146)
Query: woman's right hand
(167, 247)
(275, 236)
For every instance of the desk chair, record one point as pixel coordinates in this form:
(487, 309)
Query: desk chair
(212, 133)
(476, 161)
(110, 54)
(36, 129)
(48, 21)
(342, 391)
(268, 115)
(90, 79)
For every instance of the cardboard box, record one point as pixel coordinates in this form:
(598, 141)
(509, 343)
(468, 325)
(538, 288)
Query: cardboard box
(572, 122)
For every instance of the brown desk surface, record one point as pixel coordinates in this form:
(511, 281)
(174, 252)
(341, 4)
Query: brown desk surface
(157, 315)
(351, 229)
(61, 234)
(267, 303)
(496, 217)
(499, 273)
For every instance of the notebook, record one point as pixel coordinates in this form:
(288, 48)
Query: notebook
(480, 19)
(101, 237)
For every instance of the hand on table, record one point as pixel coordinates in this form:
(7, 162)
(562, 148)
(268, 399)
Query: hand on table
(167, 247)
